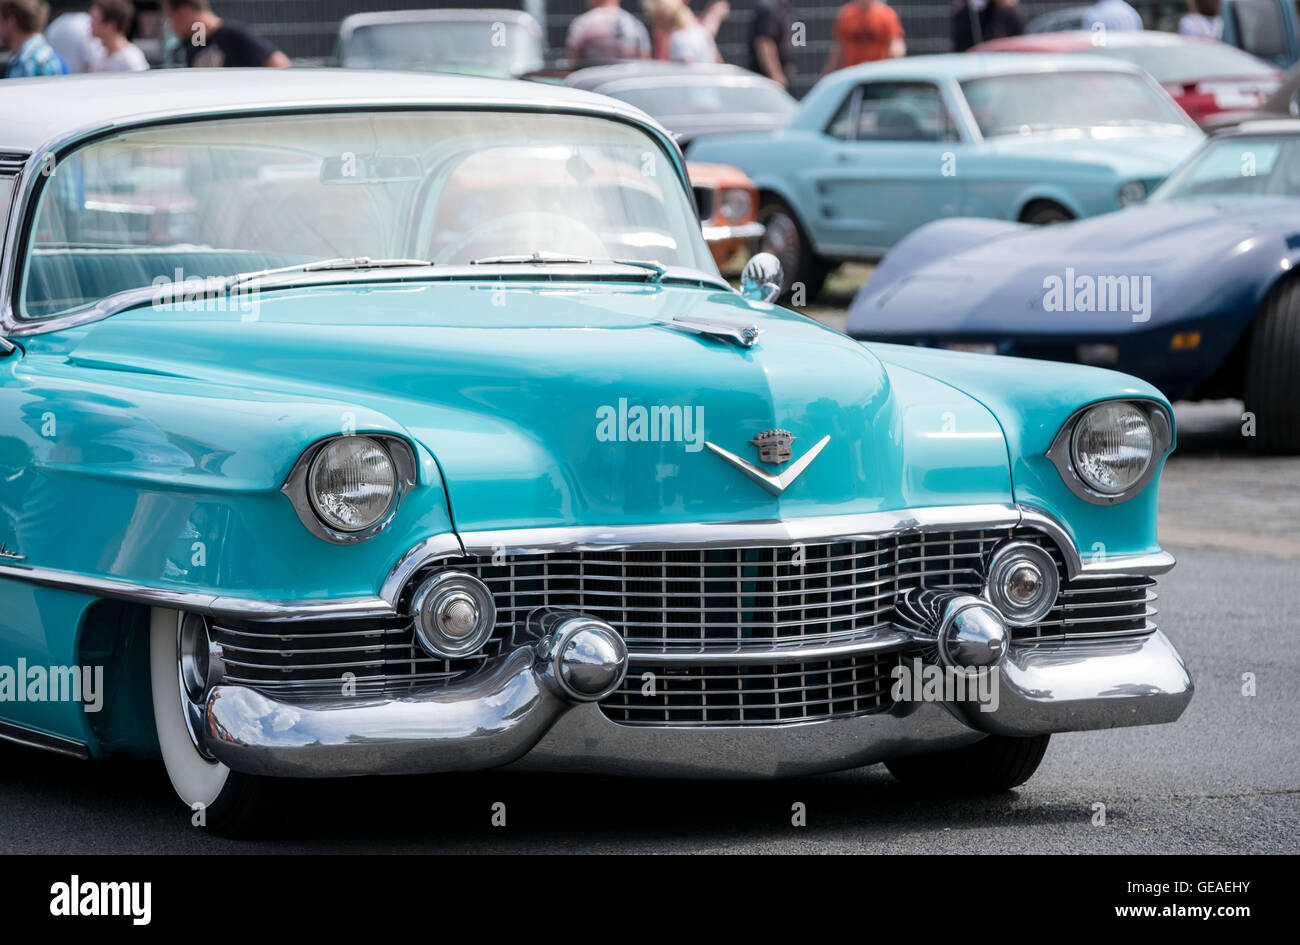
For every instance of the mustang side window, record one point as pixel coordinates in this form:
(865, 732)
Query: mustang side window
(903, 111)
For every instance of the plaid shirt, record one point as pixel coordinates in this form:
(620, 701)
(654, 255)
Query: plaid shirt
(36, 57)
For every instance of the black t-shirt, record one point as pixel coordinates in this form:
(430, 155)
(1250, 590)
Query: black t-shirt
(232, 44)
(773, 20)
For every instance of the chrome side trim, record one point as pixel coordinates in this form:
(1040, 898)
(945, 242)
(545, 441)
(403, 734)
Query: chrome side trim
(30, 738)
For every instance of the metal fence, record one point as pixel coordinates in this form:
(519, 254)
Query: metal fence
(308, 27)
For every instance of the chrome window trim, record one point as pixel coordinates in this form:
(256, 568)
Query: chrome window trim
(542, 540)
(1061, 453)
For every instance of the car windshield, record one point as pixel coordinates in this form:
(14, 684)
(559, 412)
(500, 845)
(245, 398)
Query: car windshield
(1238, 166)
(1055, 101)
(1190, 63)
(476, 46)
(213, 198)
(702, 100)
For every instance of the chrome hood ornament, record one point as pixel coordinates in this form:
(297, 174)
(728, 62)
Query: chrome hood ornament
(774, 446)
(740, 334)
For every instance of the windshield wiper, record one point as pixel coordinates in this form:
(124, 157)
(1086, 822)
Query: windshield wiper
(656, 271)
(326, 265)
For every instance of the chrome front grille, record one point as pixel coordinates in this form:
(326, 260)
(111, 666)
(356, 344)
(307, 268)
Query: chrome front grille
(753, 694)
(697, 600)
(690, 615)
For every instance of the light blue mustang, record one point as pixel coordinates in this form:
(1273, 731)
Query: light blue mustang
(350, 429)
(877, 150)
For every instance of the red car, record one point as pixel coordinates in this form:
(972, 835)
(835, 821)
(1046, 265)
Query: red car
(1206, 77)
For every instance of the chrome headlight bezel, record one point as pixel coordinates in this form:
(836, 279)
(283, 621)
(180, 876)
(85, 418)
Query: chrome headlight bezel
(298, 489)
(1061, 452)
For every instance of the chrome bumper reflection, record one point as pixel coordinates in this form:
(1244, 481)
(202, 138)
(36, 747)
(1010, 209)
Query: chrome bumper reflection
(512, 713)
(750, 232)
(1072, 687)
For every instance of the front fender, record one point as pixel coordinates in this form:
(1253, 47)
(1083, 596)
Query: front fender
(175, 484)
(1032, 400)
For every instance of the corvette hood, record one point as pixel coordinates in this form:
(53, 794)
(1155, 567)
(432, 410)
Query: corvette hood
(1002, 282)
(548, 404)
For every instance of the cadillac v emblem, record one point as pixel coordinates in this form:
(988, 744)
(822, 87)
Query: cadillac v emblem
(774, 446)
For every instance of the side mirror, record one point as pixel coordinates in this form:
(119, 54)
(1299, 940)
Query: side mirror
(762, 279)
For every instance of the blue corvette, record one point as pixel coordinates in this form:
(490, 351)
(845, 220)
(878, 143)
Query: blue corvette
(1194, 291)
(349, 428)
(877, 150)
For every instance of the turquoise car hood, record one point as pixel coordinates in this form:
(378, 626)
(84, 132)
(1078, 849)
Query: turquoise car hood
(528, 396)
(1137, 157)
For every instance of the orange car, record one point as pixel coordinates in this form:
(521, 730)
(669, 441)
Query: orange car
(728, 202)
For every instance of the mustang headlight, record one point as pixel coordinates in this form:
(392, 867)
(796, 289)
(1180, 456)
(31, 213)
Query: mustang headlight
(1106, 453)
(736, 204)
(346, 489)
(352, 483)
(1133, 192)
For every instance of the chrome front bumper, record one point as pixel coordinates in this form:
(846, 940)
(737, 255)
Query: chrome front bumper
(511, 713)
(749, 232)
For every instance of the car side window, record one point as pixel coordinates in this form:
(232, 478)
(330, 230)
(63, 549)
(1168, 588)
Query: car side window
(903, 111)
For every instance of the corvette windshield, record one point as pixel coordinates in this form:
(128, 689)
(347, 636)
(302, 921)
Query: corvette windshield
(1067, 100)
(1238, 166)
(214, 198)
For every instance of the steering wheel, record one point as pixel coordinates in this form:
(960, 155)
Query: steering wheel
(535, 231)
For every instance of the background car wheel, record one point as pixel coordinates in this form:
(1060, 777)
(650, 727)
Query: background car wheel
(1272, 392)
(785, 239)
(1045, 213)
(234, 804)
(994, 764)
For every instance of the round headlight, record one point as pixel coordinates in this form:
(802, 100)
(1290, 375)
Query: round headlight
(1112, 447)
(736, 204)
(1133, 192)
(352, 483)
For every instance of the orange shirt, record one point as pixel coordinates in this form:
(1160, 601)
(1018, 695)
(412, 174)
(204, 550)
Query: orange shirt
(864, 33)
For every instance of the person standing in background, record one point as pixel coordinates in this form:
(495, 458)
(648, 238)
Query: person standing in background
(687, 40)
(606, 33)
(110, 21)
(209, 40)
(1112, 15)
(69, 33)
(714, 15)
(865, 31)
(771, 42)
(1002, 18)
(967, 24)
(21, 22)
(1203, 19)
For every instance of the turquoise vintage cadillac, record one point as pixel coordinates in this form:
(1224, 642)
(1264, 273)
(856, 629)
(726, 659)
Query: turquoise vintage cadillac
(877, 150)
(353, 427)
